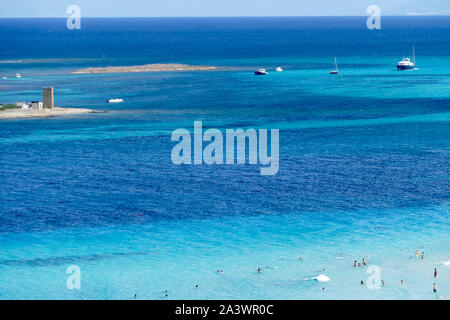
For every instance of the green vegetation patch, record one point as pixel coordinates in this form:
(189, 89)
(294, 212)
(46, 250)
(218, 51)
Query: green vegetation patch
(8, 106)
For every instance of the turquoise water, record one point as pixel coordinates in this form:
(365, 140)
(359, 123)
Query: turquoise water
(364, 160)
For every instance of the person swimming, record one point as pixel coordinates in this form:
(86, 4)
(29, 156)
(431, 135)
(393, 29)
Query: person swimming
(434, 287)
(383, 283)
(259, 269)
(362, 282)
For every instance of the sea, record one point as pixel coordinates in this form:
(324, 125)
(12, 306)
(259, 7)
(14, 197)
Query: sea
(92, 207)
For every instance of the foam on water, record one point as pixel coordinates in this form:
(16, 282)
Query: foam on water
(320, 278)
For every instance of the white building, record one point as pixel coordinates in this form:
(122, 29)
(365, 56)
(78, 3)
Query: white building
(23, 105)
(37, 105)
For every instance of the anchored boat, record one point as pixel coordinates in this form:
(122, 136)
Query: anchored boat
(336, 69)
(407, 63)
(261, 72)
(115, 100)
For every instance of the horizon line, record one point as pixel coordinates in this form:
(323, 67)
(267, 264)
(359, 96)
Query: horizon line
(259, 16)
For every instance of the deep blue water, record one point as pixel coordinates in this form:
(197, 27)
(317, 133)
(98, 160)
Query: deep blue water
(364, 158)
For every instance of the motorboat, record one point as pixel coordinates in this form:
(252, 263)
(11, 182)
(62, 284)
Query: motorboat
(115, 100)
(407, 63)
(260, 72)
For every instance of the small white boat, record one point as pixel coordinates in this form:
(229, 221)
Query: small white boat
(407, 63)
(260, 72)
(115, 100)
(279, 69)
(18, 75)
(336, 70)
(4, 78)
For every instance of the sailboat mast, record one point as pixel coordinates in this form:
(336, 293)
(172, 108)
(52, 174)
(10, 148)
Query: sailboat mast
(414, 56)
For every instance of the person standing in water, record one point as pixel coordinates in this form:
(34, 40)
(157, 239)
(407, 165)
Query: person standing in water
(435, 273)
(434, 287)
(423, 255)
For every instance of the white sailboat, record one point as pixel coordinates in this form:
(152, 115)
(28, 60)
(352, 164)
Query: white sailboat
(336, 68)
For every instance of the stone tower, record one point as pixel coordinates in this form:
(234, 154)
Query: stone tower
(48, 98)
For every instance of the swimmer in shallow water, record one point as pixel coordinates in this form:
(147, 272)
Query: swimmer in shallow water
(259, 269)
(362, 282)
(434, 287)
(417, 253)
(383, 283)
(435, 273)
(423, 255)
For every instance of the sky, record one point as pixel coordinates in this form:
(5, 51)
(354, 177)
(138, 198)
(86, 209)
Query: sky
(214, 8)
